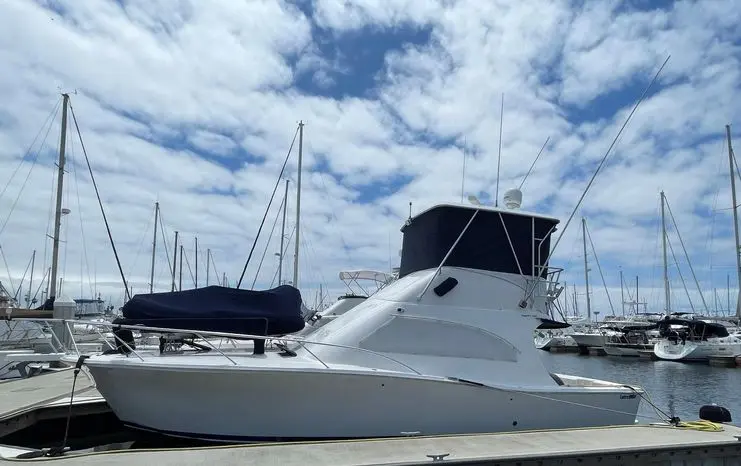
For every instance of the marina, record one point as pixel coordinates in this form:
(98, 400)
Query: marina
(309, 233)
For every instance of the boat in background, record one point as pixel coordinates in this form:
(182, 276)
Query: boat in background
(631, 340)
(695, 340)
(357, 293)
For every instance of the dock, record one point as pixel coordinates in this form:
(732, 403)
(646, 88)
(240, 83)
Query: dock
(628, 445)
(25, 402)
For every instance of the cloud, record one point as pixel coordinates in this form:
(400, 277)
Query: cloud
(194, 105)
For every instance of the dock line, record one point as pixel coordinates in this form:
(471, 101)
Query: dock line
(60, 450)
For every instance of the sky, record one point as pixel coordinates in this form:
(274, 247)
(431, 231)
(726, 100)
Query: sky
(194, 104)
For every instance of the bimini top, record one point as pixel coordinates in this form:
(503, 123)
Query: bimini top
(485, 246)
(219, 309)
(697, 327)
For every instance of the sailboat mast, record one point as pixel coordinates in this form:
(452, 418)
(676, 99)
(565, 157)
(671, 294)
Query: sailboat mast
(282, 236)
(196, 279)
(667, 295)
(154, 247)
(30, 282)
(298, 201)
(208, 263)
(735, 218)
(180, 280)
(636, 294)
(622, 293)
(174, 261)
(586, 270)
(728, 292)
(60, 192)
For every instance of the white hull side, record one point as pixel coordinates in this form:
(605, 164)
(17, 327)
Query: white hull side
(226, 404)
(694, 351)
(559, 341)
(613, 349)
(589, 340)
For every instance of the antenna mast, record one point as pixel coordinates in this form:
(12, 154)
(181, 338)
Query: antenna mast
(499, 157)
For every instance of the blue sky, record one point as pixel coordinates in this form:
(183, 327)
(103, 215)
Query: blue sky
(195, 106)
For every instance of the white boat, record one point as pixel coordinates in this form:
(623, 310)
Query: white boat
(695, 340)
(357, 293)
(445, 349)
(547, 339)
(592, 338)
(629, 341)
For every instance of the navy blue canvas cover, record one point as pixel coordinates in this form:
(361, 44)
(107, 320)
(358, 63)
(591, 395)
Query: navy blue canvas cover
(219, 309)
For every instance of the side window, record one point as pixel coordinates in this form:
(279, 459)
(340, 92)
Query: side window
(432, 337)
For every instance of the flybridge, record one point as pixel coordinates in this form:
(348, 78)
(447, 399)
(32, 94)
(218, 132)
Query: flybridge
(497, 240)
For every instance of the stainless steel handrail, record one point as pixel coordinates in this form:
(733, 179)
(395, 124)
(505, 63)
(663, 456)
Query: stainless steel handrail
(200, 333)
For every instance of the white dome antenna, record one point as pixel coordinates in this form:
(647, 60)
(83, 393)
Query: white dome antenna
(513, 198)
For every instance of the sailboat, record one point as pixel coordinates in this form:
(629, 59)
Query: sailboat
(591, 335)
(700, 339)
(445, 349)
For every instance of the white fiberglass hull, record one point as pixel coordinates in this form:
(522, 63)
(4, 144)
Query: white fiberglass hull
(237, 404)
(695, 351)
(559, 341)
(626, 350)
(589, 340)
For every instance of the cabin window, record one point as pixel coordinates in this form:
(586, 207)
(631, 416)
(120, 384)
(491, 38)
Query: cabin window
(432, 337)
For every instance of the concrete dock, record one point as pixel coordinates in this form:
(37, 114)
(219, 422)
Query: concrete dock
(25, 402)
(628, 445)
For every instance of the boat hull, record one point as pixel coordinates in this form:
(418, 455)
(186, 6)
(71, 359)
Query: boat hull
(694, 351)
(626, 350)
(545, 343)
(228, 404)
(589, 340)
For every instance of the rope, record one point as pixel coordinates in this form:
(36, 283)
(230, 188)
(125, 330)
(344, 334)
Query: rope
(5, 261)
(28, 151)
(164, 240)
(267, 209)
(25, 181)
(689, 263)
(187, 263)
(702, 426)
(534, 161)
(607, 154)
(100, 203)
(85, 259)
(599, 267)
(267, 244)
(288, 241)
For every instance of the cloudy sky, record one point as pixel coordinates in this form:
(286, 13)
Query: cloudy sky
(194, 104)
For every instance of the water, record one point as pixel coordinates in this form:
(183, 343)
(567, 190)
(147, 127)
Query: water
(678, 389)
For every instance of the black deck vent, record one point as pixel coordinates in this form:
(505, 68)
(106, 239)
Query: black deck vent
(446, 285)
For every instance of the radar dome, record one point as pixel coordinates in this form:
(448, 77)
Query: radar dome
(513, 198)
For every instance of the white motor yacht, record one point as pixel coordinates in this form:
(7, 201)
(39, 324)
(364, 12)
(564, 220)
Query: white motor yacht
(445, 349)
